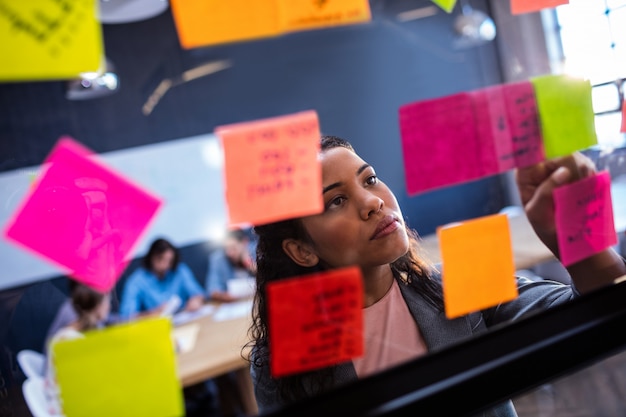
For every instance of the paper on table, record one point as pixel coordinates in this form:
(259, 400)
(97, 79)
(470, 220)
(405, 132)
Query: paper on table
(447, 5)
(583, 213)
(48, 39)
(186, 316)
(485, 244)
(83, 216)
(283, 176)
(185, 337)
(231, 311)
(124, 370)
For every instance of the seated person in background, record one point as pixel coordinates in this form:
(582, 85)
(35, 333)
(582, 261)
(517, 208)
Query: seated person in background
(92, 309)
(236, 259)
(159, 283)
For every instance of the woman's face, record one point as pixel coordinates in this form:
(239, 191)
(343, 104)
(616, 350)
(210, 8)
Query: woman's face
(162, 262)
(362, 223)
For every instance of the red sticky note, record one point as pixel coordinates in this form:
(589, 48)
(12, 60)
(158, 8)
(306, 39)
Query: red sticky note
(271, 168)
(584, 218)
(527, 6)
(524, 125)
(439, 142)
(82, 216)
(623, 128)
(315, 320)
(493, 131)
(478, 270)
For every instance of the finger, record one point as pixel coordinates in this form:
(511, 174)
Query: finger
(544, 191)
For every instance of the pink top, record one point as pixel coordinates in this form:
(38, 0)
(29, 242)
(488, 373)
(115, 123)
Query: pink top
(391, 334)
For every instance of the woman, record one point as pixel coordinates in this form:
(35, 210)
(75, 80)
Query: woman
(160, 282)
(363, 225)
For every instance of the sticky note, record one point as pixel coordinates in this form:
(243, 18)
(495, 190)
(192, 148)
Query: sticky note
(210, 22)
(271, 168)
(306, 14)
(477, 264)
(524, 125)
(446, 5)
(82, 216)
(566, 113)
(584, 218)
(315, 321)
(439, 142)
(527, 6)
(623, 128)
(492, 131)
(124, 370)
(49, 39)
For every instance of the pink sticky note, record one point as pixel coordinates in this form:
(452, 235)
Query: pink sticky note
(584, 218)
(493, 131)
(82, 216)
(439, 142)
(523, 119)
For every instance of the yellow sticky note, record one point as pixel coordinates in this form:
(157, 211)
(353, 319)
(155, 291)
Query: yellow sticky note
(478, 267)
(446, 5)
(125, 370)
(210, 22)
(308, 14)
(566, 113)
(49, 39)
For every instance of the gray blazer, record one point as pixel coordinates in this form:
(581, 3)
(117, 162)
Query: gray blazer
(440, 332)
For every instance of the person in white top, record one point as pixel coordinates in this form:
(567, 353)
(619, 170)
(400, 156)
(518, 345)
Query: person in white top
(93, 308)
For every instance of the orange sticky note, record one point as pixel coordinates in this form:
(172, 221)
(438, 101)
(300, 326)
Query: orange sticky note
(307, 14)
(210, 22)
(527, 6)
(478, 268)
(623, 128)
(315, 321)
(271, 168)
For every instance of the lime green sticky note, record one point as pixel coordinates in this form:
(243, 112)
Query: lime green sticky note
(566, 114)
(446, 5)
(124, 370)
(49, 39)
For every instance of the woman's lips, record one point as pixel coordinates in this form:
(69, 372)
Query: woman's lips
(386, 226)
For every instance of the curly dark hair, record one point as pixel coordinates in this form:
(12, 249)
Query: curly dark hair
(274, 264)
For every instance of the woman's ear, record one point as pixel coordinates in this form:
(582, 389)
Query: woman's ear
(299, 252)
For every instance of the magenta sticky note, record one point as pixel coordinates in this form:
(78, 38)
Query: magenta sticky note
(584, 218)
(492, 129)
(524, 124)
(82, 216)
(439, 142)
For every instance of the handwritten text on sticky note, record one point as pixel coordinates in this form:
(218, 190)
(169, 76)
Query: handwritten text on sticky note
(485, 244)
(82, 216)
(307, 14)
(584, 218)
(49, 39)
(315, 321)
(271, 168)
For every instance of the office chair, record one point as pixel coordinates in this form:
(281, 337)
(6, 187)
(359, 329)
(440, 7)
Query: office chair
(33, 363)
(35, 397)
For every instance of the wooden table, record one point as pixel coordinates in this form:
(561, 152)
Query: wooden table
(528, 249)
(217, 351)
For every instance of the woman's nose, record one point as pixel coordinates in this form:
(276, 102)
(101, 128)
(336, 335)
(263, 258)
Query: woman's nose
(371, 204)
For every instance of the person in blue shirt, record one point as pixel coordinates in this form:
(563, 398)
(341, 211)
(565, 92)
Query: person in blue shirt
(153, 287)
(236, 259)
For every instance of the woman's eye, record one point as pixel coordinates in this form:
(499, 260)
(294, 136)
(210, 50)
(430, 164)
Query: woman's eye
(337, 201)
(371, 180)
